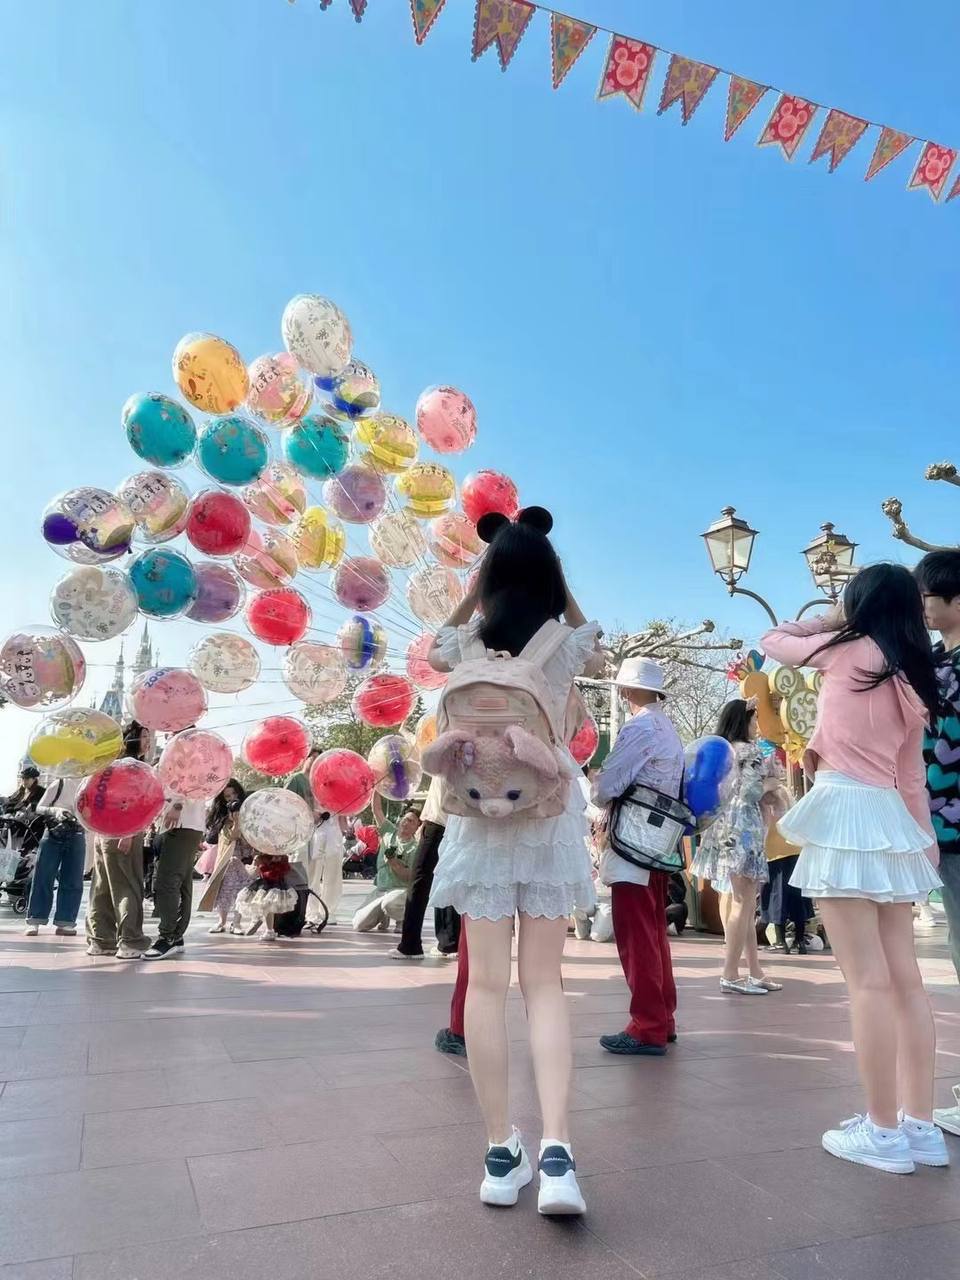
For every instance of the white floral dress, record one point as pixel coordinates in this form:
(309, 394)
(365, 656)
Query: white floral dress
(489, 868)
(734, 844)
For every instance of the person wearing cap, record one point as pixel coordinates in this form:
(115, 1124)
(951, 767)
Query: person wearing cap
(648, 750)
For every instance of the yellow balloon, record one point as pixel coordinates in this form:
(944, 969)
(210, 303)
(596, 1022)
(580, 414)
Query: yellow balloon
(425, 733)
(391, 444)
(428, 490)
(76, 742)
(210, 373)
(319, 539)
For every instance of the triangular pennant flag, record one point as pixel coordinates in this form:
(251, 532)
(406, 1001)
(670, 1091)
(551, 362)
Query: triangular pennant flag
(932, 169)
(789, 121)
(568, 39)
(839, 135)
(889, 145)
(742, 97)
(424, 14)
(687, 82)
(954, 192)
(359, 8)
(500, 22)
(627, 70)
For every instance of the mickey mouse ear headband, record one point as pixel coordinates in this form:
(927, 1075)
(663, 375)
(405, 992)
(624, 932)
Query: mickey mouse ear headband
(538, 518)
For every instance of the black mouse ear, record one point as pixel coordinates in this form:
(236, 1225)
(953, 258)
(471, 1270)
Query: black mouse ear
(489, 526)
(538, 518)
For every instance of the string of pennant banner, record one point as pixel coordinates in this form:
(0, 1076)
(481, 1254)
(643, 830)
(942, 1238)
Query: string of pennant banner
(628, 69)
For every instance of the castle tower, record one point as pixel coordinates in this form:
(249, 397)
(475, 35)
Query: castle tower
(112, 703)
(145, 658)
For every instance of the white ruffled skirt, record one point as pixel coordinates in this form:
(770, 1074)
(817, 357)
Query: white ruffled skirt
(858, 841)
(489, 868)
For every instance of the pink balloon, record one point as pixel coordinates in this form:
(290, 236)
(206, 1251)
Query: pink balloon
(342, 782)
(454, 540)
(446, 419)
(361, 584)
(384, 701)
(584, 743)
(267, 559)
(196, 764)
(357, 495)
(121, 800)
(487, 491)
(277, 745)
(167, 699)
(418, 668)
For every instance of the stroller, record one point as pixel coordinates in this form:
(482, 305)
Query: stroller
(19, 841)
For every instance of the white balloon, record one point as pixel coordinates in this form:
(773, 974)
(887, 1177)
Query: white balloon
(93, 603)
(224, 662)
(317, 334)
(314, 672)
(276, 821)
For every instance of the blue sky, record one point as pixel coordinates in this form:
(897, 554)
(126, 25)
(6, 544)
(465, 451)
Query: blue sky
(651, 323)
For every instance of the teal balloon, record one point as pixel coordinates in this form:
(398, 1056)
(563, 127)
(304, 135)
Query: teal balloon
(317, 446)
(165, 583)
(159, 430)
(232, 450)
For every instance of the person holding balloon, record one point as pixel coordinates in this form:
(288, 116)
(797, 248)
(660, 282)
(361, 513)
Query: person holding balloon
(60, 860)
(181, 832)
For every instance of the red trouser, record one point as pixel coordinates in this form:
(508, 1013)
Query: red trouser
(460, 990)
(640, 928)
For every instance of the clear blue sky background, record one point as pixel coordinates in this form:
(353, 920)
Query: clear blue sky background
(651, 323)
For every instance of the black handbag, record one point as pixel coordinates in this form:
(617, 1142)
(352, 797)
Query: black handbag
(646, 828)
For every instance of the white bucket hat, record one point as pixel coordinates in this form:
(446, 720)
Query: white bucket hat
(641, 673)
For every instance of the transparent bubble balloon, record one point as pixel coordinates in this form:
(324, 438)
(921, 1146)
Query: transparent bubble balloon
(279, 616)
(446, 419)
(342, 782)
(427, 490)
(276, 822)
(484, 492)
(41, 668)
(276, 745)
(75, 742)
(279, 496)
(383, 701)
(361, 584)
(167, 699)
(278, 393)
(317, 446)
(94, 604)
(224, 662)
(454, 540)
(196, 764)
(219, 592)
(210, 372)
(317, 334)
(583, 745)
(313, 672)
(425, 733)
(356, 391)
(218, 523)
(233, 450)
(396, 765)
(319, 539)
(87, 526)
(709, 776)
(158, 429)
(357, 495)
(418, 668)
(363, 643)
(398, 539)
(158, 504)
(267, 560)
(433, 593)
(387, 443)
(164, 581)
(121, 800)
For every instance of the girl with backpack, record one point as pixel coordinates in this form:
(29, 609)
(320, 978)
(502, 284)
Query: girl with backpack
(868, 850)
(496, 861)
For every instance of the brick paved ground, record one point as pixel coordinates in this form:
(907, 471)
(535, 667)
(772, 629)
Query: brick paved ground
(280, 1112)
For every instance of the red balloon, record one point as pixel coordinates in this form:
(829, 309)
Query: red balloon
(218, 523)
(369, 837)
(280, 616)
(342, 782)
(487, 491)
(418, 668)
(121, 800)
(584, 743)
(277, 745)
(383, 701)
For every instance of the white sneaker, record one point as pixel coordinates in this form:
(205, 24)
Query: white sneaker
(861, 1142)
(926, 1142)
(560, 1192)
(437, 954)
(31, 931)
(506, 1172)
(949, 1117)
(397, 954)
(742, 987)
(129, 953)
(268, 935)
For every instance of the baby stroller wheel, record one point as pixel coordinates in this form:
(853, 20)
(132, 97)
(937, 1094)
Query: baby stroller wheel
(19, 906)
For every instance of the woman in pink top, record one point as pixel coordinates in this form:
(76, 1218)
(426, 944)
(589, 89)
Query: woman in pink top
(867, 848)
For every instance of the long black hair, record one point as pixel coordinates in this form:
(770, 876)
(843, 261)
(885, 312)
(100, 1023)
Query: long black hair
(883, 603)
(734, 721)
(521, 583)
(133, 740)
(219, 810)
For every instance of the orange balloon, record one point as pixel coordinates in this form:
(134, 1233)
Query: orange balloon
(210, 373)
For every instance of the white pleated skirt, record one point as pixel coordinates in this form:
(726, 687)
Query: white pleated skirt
(858, 841)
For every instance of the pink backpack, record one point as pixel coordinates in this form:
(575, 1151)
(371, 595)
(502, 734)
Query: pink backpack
(500, 745)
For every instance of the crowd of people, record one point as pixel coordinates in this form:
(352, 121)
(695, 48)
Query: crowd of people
(508, 848)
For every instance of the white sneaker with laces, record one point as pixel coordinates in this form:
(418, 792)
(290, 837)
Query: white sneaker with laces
(949, 1117)
(926, 1142)
(861, 1142)
(560, 1194)
(506, 1172)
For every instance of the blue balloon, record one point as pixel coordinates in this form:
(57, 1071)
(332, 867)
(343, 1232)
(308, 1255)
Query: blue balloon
(325, 383)
(165, 582)
(159, 430)
(708, 774)
(233, 450)
(317, 446)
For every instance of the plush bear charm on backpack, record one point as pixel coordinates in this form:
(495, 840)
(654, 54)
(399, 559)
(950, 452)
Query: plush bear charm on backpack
(498, 776)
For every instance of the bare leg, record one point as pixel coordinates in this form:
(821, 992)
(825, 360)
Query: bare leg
(485, 1026)
(741, 915)
(916, 1034)
(751, 950)
(854, 928)
(540, 954)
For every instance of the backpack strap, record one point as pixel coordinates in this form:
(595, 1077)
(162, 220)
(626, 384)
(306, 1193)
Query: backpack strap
(544, 643)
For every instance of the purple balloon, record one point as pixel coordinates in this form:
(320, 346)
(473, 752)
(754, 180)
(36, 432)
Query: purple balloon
(219, 593)
(59, 530)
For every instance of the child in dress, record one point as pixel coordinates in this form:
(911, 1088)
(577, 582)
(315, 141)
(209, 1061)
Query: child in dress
(491, 869)
(230, 872)
(269, 894)
(867, 848)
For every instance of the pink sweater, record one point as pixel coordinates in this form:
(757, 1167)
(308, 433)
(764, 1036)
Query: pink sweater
(872, 735)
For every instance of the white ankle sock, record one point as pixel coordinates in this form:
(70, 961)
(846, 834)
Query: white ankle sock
(914, 1123)
(555, 1142)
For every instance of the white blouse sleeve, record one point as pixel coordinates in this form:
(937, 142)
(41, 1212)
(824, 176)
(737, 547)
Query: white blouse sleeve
(568, 662)
(448, 641)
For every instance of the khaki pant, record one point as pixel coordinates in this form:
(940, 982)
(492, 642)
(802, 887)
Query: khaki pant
(173, 882)
(115, 909)
(379, 908)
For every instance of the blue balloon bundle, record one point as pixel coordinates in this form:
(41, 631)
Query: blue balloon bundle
(708, 775)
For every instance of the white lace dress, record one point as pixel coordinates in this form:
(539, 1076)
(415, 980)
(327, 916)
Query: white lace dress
(490, 867)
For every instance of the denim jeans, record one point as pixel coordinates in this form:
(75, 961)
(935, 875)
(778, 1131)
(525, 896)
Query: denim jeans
(61, 860)
(950, 875)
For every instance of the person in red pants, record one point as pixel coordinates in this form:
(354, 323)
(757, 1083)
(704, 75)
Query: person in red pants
(648, 750)
(451, 1039)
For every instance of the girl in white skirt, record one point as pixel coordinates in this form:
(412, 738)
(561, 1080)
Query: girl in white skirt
(493, 869)
(868, 850)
